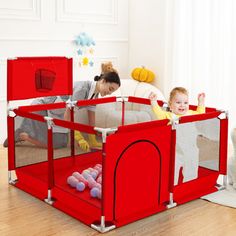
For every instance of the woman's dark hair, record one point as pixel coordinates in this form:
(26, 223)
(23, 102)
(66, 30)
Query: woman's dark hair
(111, 77)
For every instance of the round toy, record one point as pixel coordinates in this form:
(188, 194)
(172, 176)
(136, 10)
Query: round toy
(99, 179)
(80, 177)
(80, 186)
(94, 192)
(72, 181)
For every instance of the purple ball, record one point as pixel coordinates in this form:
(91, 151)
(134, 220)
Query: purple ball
(80, 186)
(94, 174)
(94, 192)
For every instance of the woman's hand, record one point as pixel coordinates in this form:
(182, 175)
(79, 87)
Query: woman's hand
(67, 114)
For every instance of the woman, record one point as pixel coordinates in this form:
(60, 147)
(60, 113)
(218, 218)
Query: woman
(105, 84)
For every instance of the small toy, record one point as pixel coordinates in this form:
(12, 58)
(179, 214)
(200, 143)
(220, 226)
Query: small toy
(96, 192)
(80, 186)
(92, 183)
(99, 179)
(105, 68)
(72, 181)
(80, 178)
(142, 74)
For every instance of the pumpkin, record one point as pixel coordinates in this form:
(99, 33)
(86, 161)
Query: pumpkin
(142, 74)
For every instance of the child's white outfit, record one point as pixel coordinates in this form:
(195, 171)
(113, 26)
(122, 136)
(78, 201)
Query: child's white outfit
(187, 153)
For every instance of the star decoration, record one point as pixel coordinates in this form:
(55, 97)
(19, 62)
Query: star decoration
(85, 61)
(80, 52)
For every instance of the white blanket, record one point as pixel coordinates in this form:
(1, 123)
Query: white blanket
(226, 197)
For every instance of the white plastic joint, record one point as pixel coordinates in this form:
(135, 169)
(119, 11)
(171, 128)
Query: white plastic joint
(105, 132)
(11, 113)
(122, 99)
(49, 121)
(224, 114)
(174, 122)
(70, 103)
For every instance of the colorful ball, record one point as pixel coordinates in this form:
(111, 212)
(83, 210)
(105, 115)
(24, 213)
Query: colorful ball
(94, 174)
(72, 181)
(94, 192)
(80, 177)
(80, 186)
(99, 179)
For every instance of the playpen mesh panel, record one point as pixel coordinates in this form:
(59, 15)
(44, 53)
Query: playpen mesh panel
(197, 149)
(27, 152)
(208, 142)
(110, 115)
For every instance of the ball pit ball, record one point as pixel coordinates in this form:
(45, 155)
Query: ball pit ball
(94, 192)
(80, 186)
(72, 181)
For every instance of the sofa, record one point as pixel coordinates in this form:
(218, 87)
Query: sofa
(109, 114)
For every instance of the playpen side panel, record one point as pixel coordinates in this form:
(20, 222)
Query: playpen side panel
(223, 146)
(136, 173)
(43, 76)
(208, 169)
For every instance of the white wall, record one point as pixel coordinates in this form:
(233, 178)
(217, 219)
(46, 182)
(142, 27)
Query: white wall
(148, 37)
(47, 28)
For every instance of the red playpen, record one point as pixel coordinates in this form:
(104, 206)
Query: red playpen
(139, 174)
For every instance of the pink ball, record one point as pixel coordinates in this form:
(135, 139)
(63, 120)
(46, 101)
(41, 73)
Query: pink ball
(80, 177)
(72, 181)
(99, 179)
(91, 182)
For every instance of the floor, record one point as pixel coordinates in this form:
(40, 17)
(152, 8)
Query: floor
(22, 214)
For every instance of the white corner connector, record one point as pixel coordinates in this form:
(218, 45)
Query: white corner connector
(122, 99)
(70, 103)
(105, 132)
(49, 121)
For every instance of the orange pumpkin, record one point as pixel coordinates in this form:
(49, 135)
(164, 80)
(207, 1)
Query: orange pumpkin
(142, 74)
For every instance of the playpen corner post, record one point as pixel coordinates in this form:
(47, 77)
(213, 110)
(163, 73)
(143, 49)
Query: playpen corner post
(71, 105)
(11, 144)
(224, 147)
(123, 100)
(174, 123)
(102, 227)
(123, 113)
(49, 199)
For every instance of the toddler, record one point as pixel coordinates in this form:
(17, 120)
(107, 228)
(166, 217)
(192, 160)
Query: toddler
(178, 104)
(187, 153)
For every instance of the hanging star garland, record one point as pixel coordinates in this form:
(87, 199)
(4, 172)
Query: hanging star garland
(85, 50)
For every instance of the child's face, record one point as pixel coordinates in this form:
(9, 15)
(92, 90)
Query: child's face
(179, 104)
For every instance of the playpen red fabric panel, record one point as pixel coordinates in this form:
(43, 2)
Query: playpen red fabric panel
(31, 77)
(223, 146)
(136, 173)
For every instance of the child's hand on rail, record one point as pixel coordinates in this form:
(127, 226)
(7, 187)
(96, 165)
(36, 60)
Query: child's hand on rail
(201, 99)
(152, 96)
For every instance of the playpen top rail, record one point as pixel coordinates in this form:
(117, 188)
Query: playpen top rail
(40, 107)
